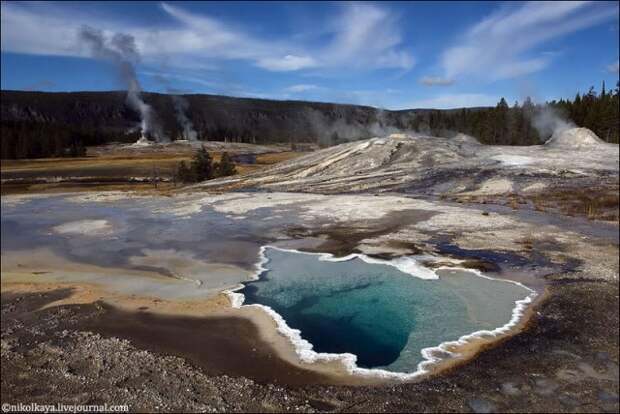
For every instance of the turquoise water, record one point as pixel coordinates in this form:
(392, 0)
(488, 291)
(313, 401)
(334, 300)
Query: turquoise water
(382, 315)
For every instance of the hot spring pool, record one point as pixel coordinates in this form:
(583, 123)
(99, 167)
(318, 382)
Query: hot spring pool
(380, 314)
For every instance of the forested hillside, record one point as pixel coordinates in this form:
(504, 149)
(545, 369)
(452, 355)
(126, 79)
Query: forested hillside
(515, 125)
(40, 124)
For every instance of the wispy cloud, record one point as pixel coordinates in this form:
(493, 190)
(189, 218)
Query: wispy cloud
(166, 75)
(613, 68)
(360, 36)
(459, 100)
(38, 31)
(367, 35)
(287, 63)
(435, 81)
(302, 88)
(204, 37)
(504, 45)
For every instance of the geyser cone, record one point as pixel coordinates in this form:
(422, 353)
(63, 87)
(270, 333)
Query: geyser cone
(574, 138)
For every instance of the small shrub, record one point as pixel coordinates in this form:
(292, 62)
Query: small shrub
(203, 168)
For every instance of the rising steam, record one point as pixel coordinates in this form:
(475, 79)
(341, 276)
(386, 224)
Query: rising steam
(548, 121)
(331, 132)
(180, 108)
(122, 52)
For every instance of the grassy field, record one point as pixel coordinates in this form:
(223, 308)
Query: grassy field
(113, 170)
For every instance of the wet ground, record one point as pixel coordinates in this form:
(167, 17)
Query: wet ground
(141, 234)
(567, 359)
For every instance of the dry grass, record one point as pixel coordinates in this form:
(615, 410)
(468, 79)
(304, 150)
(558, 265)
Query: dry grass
(593, 203)
(514, 203)
(107, 171)
(526, 242)
(604, 207)
(82, 166)
(538, 204)
(94, 161)
(276, 157)
(123, 162)
(162, 188)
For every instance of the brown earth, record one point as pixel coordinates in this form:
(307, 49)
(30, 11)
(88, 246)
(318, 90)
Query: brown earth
(567, 360)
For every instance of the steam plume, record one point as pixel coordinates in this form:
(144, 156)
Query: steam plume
(180, 108)
(331, 132)
(548, 121)
(122, 52)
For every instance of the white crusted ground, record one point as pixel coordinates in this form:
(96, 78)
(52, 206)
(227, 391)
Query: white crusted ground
(85, 227)
(435, 165)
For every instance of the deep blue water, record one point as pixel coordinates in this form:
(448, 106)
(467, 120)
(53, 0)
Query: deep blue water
(382, 315)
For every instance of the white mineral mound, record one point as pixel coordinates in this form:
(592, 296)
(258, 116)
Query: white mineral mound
(433, 165)
(466, 139)
(574, 138)
(141, 142)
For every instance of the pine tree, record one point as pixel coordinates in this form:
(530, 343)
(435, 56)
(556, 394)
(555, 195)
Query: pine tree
(202, 165)
(184, 174)
(226, 166)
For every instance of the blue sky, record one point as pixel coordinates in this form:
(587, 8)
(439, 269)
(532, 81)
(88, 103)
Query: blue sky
(390, 55)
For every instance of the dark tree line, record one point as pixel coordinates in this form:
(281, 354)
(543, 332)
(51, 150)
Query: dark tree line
(25, 139)
(40, 140)
(513, 125)
(38, 125)
(598, 112)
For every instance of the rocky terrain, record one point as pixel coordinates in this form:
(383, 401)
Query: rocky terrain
(411, 196)
(568, 362)
(432, 165)
(459, 168)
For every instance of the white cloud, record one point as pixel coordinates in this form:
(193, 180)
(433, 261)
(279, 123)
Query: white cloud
(504, 44)
(40, 33)
(202, 36)
(366, 35)
(435, 81)
(613, 68)
(165, 76)
(302, 88)
(287, 63)
(449, 101)
(360, 36)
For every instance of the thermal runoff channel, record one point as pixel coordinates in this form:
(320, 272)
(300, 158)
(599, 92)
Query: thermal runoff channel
(383, 316)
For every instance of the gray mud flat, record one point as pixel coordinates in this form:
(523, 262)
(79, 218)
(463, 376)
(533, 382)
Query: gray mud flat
(566, 359)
